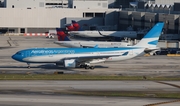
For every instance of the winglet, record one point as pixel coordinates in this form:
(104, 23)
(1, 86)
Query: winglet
(96, 46)
(100, 33)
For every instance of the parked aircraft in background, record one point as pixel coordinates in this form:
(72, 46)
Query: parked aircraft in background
(83, 57)
(63, 40)
(74, 29)
(74, 26)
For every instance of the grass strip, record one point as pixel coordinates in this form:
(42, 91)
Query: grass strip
(126, 94)
(81, 77)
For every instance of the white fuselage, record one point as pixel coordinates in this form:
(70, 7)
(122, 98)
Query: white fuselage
(113, 56)
(128, 34)
(103, 44)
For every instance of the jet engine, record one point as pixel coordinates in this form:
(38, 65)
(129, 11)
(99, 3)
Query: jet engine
(71, 63)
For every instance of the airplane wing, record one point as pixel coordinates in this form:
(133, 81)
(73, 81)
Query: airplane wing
(81, 60)
(90, 58)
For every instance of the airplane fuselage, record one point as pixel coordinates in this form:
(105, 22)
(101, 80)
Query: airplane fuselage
(91, 44)
(56, 55)
(128, 34)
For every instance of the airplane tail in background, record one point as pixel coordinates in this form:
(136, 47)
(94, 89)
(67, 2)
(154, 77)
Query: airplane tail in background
(61, 35)
(75, 25)
(150, 40)
(70, 27)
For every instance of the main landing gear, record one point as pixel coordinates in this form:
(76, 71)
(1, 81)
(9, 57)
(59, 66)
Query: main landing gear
(28, 66)
(87, 66)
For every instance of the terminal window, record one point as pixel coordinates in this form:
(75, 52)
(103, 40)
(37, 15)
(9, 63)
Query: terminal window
(53, 3)
(89, 14)
(22, 30)
(99, 14)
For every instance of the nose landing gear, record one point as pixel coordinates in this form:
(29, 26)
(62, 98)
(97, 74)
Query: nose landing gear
(28, 66)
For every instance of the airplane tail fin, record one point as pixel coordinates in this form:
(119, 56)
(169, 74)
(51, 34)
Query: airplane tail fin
(150, 40)
(61, 35)
(75, 25)
(70, 27)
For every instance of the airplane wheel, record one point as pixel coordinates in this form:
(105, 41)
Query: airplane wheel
(92, 67)
(86, 67)
(81, 66)
(28, 66)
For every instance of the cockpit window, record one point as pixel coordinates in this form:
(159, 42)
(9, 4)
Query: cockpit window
(18, 53)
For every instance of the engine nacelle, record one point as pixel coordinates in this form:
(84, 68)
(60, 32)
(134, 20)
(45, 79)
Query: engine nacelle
(71, 63)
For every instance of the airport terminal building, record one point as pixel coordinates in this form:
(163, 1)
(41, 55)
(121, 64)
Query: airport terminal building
(39, 16)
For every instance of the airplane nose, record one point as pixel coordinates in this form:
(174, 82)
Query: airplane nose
(16, 57)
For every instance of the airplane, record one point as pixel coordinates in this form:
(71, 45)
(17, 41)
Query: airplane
(83, 57)
(63, 40)
(75, 29)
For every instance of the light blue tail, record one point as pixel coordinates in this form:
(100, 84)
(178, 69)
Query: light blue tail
(150, 40)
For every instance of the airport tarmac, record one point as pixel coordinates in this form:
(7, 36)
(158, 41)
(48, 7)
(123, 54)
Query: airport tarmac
(45, 93)
(140, 66)
(59, 100)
